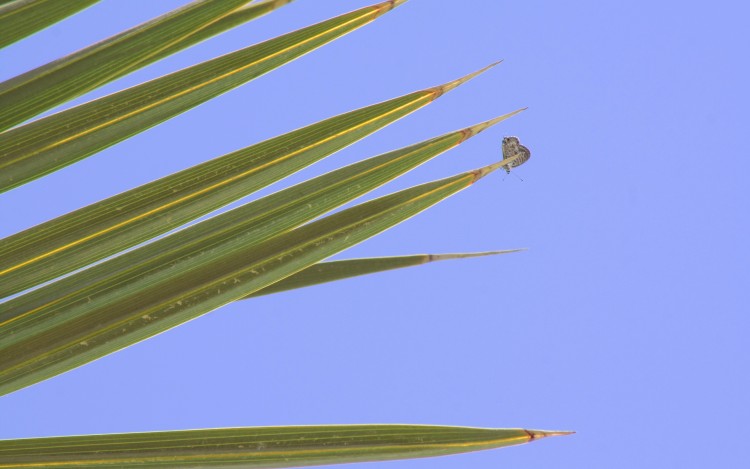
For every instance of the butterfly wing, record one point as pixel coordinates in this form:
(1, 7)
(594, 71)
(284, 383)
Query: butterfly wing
(516, 153)
(522, 157)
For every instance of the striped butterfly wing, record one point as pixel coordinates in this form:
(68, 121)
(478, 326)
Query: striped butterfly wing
(515, 153)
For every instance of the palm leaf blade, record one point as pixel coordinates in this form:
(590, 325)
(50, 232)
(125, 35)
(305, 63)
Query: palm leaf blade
(48, 144)
(21, 18)
(260, 447)
(43, 341)
(235, 18)
(273, 244)
(45, 87)
(107, 227)
(245, 226)
(332, 271)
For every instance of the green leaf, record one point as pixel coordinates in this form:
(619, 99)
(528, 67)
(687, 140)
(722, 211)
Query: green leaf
(259, 447)
(45, 87)
(247, 225)
(79, 238)
(21, 18)
(41, 339)
(324, 272)
(48, 144)
(225, 23)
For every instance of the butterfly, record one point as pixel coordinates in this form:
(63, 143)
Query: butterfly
(515, 152)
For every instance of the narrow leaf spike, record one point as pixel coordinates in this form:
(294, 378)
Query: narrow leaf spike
(259, 447)
(445, 257)
(91, 233)
(539, 434)
(249, 225)
(146, 291)
(482, 126)
(325, 272)
(237, 17)
(456, 83)
(289, 208)
(26, 95)
(53, 142)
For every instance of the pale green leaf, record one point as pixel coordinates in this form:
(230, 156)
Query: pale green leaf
(259, 447)
(48, 144)
(45, 87)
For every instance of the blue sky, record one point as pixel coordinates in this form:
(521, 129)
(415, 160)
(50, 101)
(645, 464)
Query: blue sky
(623, 321)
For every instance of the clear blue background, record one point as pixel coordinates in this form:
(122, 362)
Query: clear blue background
(626, 320)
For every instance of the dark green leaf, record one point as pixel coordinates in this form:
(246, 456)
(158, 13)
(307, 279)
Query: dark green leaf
(41, 341)
(21, 18)
(259, 447)
(45, 87)
(324, 272)
(92, 233)
(48, 144)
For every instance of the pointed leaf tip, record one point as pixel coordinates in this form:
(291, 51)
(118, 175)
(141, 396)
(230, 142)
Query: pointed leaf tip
(389, 5)
(285, 446)
(273, 3)
(276, 3)
(482, 126)
(442, 89)
(539, 434)
(467, 255)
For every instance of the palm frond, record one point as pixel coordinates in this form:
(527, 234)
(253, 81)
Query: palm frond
(189, 273)
(107, 227)
(51, 143)
(259, 447)
(26, 95)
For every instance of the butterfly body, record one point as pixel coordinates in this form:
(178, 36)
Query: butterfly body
(516, 153)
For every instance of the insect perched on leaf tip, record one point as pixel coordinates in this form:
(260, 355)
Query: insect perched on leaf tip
(515, 152)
